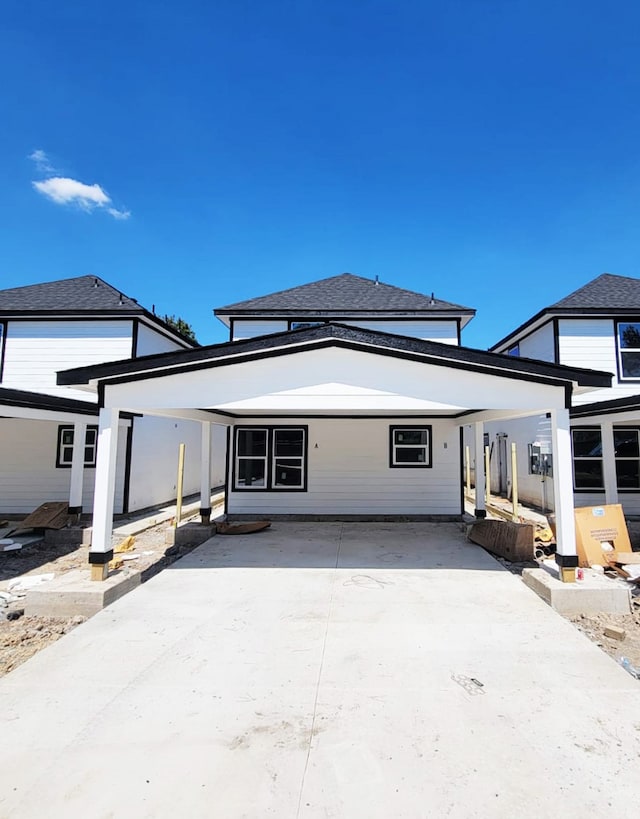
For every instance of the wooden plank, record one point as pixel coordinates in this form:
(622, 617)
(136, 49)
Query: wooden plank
(242, 528)
(51, 515)
(626, 558)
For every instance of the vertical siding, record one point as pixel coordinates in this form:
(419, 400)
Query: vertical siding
(429, 329)
(28, 473)
(260, 327)
(540, 344)
(36, 350)
(150, 342)
(349, 473)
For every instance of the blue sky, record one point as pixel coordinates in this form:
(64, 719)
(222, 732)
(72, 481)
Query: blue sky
(487, 150)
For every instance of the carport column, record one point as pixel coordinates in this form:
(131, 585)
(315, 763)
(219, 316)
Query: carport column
(77, 468)
(609, 462)
(566, 556)
(100, 551)
(205, 474)
(481, 507)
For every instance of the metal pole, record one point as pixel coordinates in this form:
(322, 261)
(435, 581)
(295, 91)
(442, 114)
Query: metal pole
(487, 472)
(514, 483)
(467, 462)
(180, 483)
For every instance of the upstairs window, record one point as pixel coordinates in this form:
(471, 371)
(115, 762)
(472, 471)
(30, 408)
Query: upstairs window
(270, 458)
(64, 453)
(410, 446)
(302, 325)
(628, 338)
(514, 351)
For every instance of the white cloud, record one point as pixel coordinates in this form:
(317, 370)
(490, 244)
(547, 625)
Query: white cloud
(42, 161)
(65, 191)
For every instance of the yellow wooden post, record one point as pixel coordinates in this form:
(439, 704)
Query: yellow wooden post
(514, 483)
(467, 465)
(180, 484)
(487, 474)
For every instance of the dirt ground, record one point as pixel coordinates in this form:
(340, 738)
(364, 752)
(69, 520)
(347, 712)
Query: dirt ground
(22, 637)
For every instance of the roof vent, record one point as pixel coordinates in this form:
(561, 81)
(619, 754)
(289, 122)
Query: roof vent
(121, 299)
(95, 282)
(377, 281)
(432, 299)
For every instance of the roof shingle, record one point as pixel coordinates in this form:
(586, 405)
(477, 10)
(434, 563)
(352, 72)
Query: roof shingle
(345, 293)
(82, 293)
(606, 291)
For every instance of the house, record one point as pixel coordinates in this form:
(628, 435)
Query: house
(598, 326)
(343, 398)
(78, 322)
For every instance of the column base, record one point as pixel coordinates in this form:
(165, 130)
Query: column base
(567, 565)
(205, 514)
(100, 572)
(480, 513)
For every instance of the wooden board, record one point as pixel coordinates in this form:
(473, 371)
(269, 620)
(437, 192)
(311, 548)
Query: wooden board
(511, 540)
(51, 515)
(626, 558)
(242, 528)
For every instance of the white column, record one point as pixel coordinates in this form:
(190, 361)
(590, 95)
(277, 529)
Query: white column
(481, 507)
(609, 463)
(566, 556)
(205, 473)
(100, 551)
(77, 468)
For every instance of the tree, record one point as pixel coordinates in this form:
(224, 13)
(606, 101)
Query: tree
(181, 326)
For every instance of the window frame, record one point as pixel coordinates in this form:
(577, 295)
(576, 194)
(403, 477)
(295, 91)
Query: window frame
(91, 430)
(599, 458)
(627, 490)
(428, 447)
(619, 350)
(270, 458)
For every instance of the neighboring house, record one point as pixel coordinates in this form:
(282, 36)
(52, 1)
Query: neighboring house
(597, 326)
(343, 398)
(68, 323)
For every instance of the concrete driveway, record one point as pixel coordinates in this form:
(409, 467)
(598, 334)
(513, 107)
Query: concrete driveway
(323, 670)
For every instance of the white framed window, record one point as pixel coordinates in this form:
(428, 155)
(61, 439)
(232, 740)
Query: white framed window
(270, 458)
(626, 442)
(588, 467)
(410, 446)
(628, 343)
(64, 450)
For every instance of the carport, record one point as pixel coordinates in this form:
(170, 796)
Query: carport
(367, 423)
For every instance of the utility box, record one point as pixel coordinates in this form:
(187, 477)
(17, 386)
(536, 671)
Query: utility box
(600, 531)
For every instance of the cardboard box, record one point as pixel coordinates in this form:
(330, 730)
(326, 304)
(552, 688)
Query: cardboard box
(596, 528)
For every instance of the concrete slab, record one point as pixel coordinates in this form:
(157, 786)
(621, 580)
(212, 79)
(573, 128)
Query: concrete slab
(319, 670)
(592, 595)
(75, 593)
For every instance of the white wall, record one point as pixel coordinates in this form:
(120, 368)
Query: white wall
(36, 350)
(28, 473)
(248, 328)
(540, 344)
(150, 341)
(154, 460)
(445, 331)
(349, 473)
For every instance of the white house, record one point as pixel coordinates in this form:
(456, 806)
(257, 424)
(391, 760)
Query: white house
(336, 419)
(77, 322)
(596, 326)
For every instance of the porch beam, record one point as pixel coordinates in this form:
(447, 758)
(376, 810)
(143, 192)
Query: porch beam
(205, 473)
(77, 468)
(486, 416)
(481, 509)
(566, 554)
(100, 551)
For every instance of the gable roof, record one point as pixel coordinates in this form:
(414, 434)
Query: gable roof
(77, 296)
(607, 294)
(334, 335)
(343, 295)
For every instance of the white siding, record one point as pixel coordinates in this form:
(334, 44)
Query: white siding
(539, 344)
(430, 329)
(154, 461)
(260, 327)
(28, 473)
(150, 342)
(36, 350)
(349, 474)
(591, 343)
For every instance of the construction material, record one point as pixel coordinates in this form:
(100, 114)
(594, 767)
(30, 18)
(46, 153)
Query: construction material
(514, 541)
(615, 632)
(74, 594)
(180, 484)
(514, 482)
(51, 515)
(487, 474)
(242, 528)
(600, 531)
(594, 595)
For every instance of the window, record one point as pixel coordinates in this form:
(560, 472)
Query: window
(588, 470)
(270, 458)
(410, 447)
(628, 336)
(514, 351)
(64, 454)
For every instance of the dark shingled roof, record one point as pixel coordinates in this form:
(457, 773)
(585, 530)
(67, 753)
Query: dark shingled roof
(345, 294)
(607, 291)
(82, 293)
